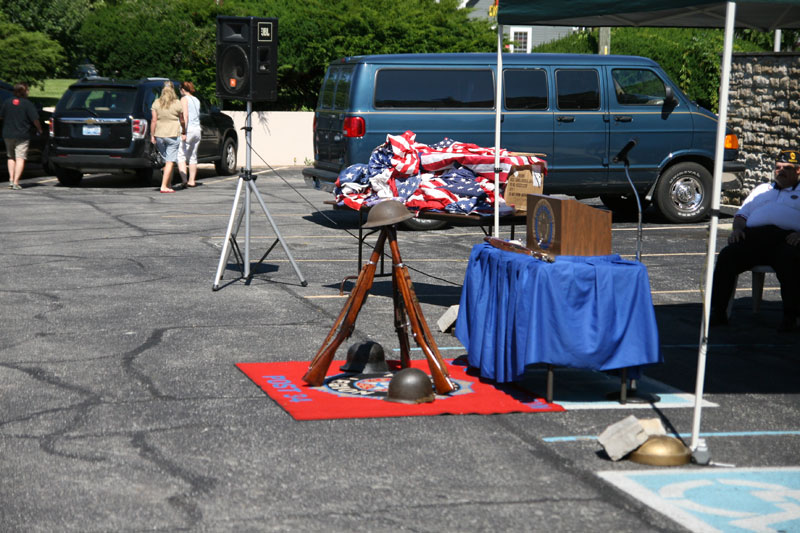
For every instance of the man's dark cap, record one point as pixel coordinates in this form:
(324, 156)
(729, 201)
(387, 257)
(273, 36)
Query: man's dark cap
(789, 156)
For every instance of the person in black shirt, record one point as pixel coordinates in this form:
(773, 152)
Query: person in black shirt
(19, 116)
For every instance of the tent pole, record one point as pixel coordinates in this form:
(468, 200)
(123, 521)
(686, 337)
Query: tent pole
(730, 17)
(497, 121)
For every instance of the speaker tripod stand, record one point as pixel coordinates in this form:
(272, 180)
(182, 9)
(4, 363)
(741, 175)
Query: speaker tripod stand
(407, 312)
(247, 181)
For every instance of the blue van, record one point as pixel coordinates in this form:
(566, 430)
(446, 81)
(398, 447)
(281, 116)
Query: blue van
(579, 110)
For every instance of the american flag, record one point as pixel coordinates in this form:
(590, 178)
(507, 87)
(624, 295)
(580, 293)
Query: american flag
(353, 200)
(478, 159)
(407, 186)
(462, 182)
(431, 195)
(448, 175)
(465, 206)
(354, 173)
(405, 159)
(379, 160)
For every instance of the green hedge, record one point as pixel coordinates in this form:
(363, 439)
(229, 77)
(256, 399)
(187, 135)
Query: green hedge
(691, 57)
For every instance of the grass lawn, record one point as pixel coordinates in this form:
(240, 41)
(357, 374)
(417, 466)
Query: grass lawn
(52, 90)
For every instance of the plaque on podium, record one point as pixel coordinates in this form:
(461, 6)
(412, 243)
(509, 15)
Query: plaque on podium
(567, 227)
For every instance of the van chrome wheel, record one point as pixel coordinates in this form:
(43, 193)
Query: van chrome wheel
(683, 193)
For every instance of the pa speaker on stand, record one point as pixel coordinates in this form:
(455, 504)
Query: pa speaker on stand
(247, 53)
(247, 58)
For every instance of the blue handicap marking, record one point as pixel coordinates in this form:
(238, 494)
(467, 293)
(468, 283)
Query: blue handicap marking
(719, 500)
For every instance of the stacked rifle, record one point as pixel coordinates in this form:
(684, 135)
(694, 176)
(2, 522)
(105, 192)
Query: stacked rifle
(407, 312)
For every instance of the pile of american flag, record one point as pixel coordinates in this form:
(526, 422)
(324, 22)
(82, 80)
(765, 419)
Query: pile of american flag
(449, 176)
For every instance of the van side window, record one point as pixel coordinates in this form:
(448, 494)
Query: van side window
(440, 88)
(638, 87)
(525, 89)
(578, 89)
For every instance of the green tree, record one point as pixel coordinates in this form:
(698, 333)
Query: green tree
(29, 57)
(790, 39)
(316, 32)
(58, 19)
(144, 38)
(132, 38)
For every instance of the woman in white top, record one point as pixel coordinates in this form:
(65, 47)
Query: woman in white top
(190, 136)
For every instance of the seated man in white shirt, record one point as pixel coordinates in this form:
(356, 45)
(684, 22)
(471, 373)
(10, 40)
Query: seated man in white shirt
(766, 231)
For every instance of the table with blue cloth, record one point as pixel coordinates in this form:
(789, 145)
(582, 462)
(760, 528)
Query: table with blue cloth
(592, 312)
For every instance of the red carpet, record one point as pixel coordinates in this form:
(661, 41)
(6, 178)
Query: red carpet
(361, 396)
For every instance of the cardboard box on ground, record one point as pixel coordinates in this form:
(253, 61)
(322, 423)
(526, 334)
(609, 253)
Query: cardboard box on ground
(524, 180)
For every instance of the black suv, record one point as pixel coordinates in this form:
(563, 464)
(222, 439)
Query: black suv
(101, 125)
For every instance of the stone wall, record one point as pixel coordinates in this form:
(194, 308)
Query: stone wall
(764, 109)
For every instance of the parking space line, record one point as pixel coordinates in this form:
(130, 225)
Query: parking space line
(692, 291)
(576, 438)
(327, 296)
(228, 215)
(660, 228)
(409, 262)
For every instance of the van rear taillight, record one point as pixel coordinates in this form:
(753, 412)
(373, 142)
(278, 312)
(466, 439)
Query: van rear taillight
(52, 127)
(138, 128)
(731, 142)
(354, 127)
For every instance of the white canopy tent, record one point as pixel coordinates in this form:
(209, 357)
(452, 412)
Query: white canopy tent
(765, 15)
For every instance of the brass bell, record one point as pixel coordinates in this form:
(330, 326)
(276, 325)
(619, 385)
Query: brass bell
(662, 450)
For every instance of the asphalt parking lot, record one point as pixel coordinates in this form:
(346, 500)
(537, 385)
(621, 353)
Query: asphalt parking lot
(122, 409)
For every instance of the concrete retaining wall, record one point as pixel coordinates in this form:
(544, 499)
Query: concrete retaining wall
(279, 137)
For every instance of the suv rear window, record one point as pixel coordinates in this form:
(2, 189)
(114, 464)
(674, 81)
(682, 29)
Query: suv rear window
(99, 99)
(427, 88)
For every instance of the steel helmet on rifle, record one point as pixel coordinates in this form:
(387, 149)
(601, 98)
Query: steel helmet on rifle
(386, 213)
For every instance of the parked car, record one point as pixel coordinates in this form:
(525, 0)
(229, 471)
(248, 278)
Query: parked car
(38, 147)
(578, 110)
(85, 70)
(101, 125)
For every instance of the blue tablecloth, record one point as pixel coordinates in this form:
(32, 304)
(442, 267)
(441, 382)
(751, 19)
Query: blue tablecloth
(581, 312)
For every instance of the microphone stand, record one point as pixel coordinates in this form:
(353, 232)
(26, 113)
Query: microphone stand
(633, 395)
(622, 156)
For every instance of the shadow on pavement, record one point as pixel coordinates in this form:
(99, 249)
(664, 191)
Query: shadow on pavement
(747, 356)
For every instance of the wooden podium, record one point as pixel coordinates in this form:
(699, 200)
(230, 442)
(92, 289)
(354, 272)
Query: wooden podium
(567, 227)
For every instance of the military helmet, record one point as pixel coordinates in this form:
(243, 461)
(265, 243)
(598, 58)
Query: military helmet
(386, 213)
(365, 358)
(410, 385)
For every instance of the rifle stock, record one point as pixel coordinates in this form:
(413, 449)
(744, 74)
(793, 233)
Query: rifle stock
(419, 327)
(423, 323)
(315, 375)
(516, 248)
(400, 323)
(427, 336)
